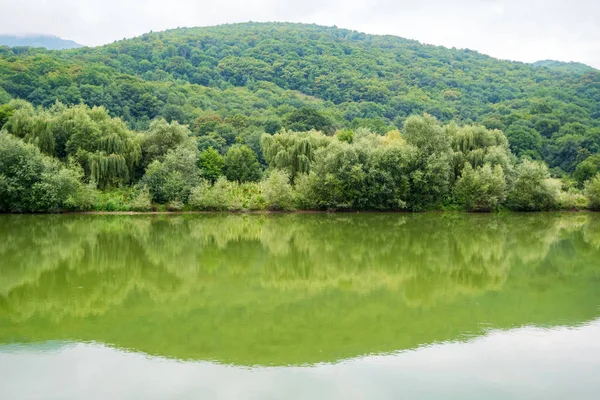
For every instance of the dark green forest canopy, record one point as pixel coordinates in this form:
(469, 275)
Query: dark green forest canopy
(265, 71)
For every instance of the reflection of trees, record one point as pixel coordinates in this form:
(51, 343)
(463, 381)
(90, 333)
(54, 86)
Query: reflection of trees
(291, 288)
(84, 265)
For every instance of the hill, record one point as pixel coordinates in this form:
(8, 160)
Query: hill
(261, 73)
(46, 41)
(571, 66)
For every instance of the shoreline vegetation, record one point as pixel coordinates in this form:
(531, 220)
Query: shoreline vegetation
(69, 159)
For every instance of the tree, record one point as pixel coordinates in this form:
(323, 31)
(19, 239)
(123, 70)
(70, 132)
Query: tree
(533, 189)
(524, 140)
(277, 191)
(431, 171)
(241, 164)
(592, 191)
(33, 182)
(307, 118)
(162, 137)
(587, 169)
(172, 179)
(291, 151)
(481, 189)
(211, 164)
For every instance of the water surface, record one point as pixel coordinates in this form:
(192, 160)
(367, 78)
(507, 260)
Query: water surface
(300, 306)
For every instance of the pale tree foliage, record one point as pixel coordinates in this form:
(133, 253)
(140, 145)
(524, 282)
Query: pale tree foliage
(533, 189)
(592, 191)
(106, 149)
(482, 188)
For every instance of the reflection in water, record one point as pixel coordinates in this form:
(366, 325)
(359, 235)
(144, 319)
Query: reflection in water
(513, 364)
(292, 289)
(347, 306)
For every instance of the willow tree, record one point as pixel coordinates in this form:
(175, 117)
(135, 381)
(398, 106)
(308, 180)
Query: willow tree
(106, 149)
(477, 146)
(31, 125)
(293, 152)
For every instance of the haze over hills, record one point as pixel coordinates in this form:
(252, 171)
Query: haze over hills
(265, 71)
(49, 42)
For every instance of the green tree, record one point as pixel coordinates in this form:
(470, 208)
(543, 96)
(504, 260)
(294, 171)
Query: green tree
(533, 189)
(211, 164)
(307, 118)
(587, 169)
(33, 182)
(160, 138)
(241, 164)
(291, 151)
(482, 188)
(277, 191)
(172, 179)
(432, 170)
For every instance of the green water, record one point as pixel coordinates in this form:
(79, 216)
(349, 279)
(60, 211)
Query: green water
(302, 306)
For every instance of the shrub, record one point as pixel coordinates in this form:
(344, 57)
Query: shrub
(33, 182)
(481, 189)
(277, 191)
(142, 201)
(572, 199)
(205, 197)
(533, 189)
(592, 192)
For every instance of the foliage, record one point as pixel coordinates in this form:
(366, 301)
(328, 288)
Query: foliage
(592, 191)
(172, 179)
(277, 191)
(293, 151)
(241, 164)
(142, 201)
(533, 189)
(162, 137)
(481, 188)
(304, 77)
(33, 182)
(211, 164)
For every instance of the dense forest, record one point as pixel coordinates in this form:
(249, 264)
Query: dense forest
(284, 116)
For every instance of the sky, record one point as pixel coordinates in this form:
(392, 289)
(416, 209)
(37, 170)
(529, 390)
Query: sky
(522, 30)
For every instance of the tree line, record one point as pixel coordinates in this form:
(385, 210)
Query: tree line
(80, 158)
(233, 82)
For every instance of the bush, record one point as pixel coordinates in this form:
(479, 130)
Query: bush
(84, 198)
(172, 179)
(592, 192)
(533, 189)
(142, 201)
(481, 189)
(277, 191)
(573, 199)
(33, 182)
(205, 197)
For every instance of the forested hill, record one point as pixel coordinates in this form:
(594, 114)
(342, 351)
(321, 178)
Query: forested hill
(46, 41)
(565, 66)
(222, 79)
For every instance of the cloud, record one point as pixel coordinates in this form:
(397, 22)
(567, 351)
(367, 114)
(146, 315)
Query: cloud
(524, 30)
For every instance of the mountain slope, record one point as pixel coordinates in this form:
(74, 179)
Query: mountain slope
(575, 67)
(264, 71)
(46, 41)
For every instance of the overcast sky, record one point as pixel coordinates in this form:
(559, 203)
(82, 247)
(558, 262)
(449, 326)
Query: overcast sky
(524, 30)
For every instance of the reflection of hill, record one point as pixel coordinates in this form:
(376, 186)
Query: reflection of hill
(288, 289)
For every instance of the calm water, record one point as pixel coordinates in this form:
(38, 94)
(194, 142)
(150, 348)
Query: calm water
(351, 306)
